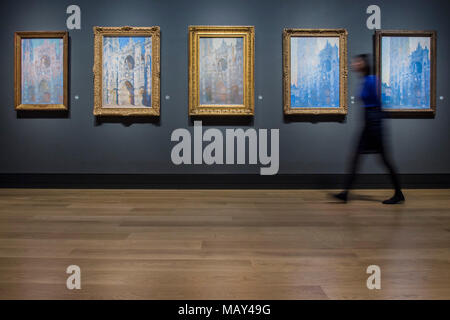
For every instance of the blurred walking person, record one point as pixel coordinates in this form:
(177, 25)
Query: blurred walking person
(372, 138)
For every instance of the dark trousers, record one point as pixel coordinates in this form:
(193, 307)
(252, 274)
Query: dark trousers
(370, 143)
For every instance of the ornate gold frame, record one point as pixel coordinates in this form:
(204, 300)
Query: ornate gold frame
(99, 33)
(247, 108)
(18, 36)
(343, 72)
(407, 33)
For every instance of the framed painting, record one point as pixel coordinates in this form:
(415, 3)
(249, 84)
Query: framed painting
(40, 70)
(221, 68)
(406, 67)
(315, 71)
(126, 71)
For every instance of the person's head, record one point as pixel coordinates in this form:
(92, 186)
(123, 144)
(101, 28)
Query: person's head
(361, 64)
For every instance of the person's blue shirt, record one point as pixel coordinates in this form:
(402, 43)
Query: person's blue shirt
(369, 92)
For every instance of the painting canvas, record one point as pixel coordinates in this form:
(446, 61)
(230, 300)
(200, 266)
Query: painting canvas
(405, 72)
(127, 72)
(406, 67)
(41, 70)
(221, 64)
(314, 72)
(221, 71)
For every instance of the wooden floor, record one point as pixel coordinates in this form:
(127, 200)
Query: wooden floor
(222, 244)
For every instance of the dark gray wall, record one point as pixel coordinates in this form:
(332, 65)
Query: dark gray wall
(77, 143)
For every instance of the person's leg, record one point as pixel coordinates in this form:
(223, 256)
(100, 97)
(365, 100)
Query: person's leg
(353, 168)
(354, 162)
(398, 196)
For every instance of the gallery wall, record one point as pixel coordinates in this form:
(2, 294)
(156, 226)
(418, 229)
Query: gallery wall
(77, 142)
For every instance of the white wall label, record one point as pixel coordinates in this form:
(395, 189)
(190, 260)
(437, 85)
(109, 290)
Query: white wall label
(374, 20)
(74, 20)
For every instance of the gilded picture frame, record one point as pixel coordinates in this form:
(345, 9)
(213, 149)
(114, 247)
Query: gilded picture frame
(339, 106)
(417, 89)
(232, 95)
(125, 97)
(41, 70)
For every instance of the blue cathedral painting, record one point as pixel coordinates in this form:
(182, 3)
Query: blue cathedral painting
(127, 72)
(314, 72)
(221, 71)
(42, 71)
(405, 74)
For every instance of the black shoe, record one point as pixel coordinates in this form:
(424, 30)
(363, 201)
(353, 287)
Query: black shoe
(397, 198)
(341, 196)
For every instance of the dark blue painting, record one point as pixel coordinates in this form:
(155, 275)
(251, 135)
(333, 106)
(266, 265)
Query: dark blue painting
(314, 72)
(405, 74)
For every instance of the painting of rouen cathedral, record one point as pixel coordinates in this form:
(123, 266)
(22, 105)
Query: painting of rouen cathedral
(127, 72)
(42, 71)
(314, 72)
(221, 71)
(405, 76)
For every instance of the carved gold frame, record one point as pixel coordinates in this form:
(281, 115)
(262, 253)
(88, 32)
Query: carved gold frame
(248, 34)
(99, 33)
(343, 69)
(407, 33)
(18, 36)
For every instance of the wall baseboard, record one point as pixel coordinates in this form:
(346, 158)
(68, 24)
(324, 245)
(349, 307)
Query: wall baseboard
(217, 181)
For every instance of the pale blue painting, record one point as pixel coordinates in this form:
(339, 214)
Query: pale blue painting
(405, 74)
(314, 72)
(127, 72)
(221, 79)
(42, 71)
